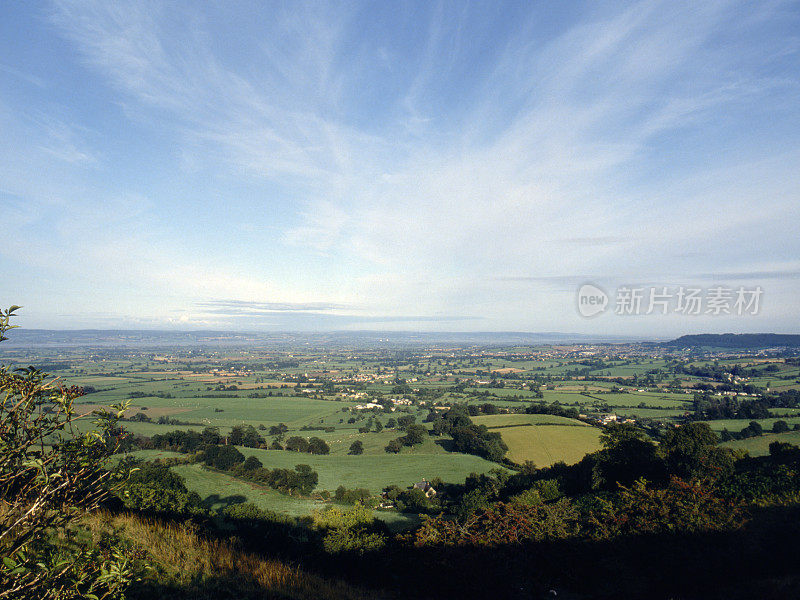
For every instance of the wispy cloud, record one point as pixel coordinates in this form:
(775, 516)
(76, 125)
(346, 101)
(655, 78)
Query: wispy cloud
(246, 307)
(404, 167)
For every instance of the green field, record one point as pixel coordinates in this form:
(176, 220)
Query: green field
(544, 439)
(545, 445)
(736, 425)
(377, 471)
(492, 421)
(759, 446)
(219, 490)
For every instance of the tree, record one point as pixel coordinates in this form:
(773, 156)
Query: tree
(50, 472)
(405, 421)
(297, 444)
(780, 427)
(210, 436)
(222, 457)
(278, 429)
(478, 440)
(156, 488)
(754, 429)
(686, 449)
(415, 434)
(251, 463)
(378, 426)
(356, 448)
(318, 446)
(245, 435)
(627, 456)
(489, 409)
(394, 446)
(306, 478)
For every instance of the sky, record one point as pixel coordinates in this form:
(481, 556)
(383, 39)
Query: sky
(456, 166)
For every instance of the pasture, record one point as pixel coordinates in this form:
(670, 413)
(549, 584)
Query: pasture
(375, 472)
(543, 439)
(759, 445)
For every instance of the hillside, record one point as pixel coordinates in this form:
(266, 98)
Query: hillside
(736, 340)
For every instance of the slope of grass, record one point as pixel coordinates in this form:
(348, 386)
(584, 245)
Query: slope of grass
(759, 446)
(189, 566)
(739, 424)
(545, 445)
(375, 472)
(492, 421)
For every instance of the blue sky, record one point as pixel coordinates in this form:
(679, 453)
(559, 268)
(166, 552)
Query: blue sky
(426, 166)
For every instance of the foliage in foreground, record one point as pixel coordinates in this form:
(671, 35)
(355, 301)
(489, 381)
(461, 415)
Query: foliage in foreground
(49, 473)
(188, 564)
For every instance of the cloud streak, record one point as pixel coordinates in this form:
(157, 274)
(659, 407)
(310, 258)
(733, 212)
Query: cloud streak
(399, 160)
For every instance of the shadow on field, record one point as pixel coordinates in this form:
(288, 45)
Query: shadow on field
(447, 444)
(219, 502)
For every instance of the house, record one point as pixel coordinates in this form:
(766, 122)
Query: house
(426, 487)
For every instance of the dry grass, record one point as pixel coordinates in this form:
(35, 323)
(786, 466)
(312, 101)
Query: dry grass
(191, 566)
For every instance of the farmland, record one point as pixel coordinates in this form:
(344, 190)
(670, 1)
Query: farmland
(548, 404)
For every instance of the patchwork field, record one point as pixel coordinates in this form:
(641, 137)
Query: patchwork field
(315, 392)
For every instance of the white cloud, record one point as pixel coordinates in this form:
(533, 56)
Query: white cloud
(553, 143)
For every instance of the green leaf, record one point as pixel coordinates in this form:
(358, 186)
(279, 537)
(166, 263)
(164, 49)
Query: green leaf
(9, 562)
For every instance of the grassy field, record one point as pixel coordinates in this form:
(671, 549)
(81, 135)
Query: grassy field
(545, 445)
(374, 472)
(219, 490)
(759, 446)
(544, 439)
(739, 424)
(505, 420)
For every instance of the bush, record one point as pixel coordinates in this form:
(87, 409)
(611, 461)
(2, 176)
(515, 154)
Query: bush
(394, 446)
(155, 488)
(780, 427)
(351, 530)
(318, 446)
(356, 447)
(222, 457)
(44, 488)
(297, 444)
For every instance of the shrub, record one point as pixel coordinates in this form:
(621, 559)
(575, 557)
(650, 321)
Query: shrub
(155, 488)
(352, 530)
(222, 457)
(394, 446)
(44, 487)
(318, 446)
(297, 444)
(780, 427)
